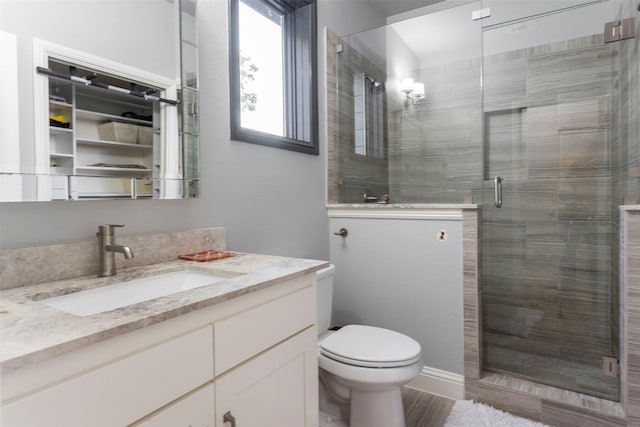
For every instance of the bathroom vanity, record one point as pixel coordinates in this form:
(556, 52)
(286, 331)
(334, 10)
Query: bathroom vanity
(240, 352)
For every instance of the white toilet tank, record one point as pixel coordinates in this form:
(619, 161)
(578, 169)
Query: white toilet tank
(325, 297)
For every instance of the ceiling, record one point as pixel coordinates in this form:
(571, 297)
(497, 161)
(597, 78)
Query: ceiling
(394, 7)
(442, 37)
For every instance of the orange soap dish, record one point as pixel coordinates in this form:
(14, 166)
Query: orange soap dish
(206, 256)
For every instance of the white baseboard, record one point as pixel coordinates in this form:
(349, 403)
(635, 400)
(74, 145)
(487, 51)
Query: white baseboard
(441, 383)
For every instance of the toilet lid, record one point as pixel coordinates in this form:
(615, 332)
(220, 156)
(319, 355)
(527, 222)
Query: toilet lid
(369, 346)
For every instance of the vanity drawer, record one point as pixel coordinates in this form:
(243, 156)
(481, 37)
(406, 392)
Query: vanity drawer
(123, 391)
(194, 410)
(242, 336)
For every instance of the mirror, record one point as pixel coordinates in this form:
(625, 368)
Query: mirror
(99, 100)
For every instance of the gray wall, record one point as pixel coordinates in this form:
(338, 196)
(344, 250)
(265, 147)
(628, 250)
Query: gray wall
(396, 274)
(270, 200)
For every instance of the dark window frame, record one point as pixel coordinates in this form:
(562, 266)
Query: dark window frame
(301, 134)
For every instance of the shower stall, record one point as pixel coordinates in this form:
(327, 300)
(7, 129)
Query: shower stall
(528, 109)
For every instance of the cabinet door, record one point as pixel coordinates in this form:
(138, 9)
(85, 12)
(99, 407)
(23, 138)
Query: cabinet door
(194, 410)
(276, 388)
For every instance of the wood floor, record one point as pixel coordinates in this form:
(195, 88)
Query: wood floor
(424, 409)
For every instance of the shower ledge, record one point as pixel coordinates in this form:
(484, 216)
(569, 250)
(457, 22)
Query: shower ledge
(402, 206)
(630, 207)
(556, 395)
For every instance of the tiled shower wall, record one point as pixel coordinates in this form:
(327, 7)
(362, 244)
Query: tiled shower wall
(627, 109)
(350, 174)
(547, 258)
(556, 406)
(625, 125)
(435, 146)
(551, 405)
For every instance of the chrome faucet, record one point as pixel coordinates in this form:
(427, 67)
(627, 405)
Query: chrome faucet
(107, 249)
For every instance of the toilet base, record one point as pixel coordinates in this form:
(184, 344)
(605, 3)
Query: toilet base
(377, 408)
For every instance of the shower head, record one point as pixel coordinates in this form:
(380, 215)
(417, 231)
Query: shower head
(374, 82)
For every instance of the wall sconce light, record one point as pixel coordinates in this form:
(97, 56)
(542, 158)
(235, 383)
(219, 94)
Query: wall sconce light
(414, 91)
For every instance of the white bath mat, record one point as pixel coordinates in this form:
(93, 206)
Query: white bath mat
(466, 413)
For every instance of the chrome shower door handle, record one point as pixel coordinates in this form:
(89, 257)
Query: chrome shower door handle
(497, 191)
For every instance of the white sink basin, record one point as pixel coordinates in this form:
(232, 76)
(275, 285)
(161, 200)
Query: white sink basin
(110, 297)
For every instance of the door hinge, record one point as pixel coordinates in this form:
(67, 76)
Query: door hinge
(610, 366)
(481, 14)
(620, 30)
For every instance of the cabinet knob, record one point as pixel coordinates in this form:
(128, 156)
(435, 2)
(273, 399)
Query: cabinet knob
(228, 418)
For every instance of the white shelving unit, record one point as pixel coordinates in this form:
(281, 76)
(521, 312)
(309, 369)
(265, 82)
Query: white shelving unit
(96, 167)
(61, 147)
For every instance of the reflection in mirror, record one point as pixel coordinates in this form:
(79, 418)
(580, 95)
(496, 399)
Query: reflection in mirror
(98, 108)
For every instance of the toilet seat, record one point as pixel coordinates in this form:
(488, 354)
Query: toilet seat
(371, 347)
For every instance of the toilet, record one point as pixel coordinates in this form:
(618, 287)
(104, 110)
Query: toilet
(362, 368)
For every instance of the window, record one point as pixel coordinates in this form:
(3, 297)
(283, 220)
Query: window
(273, 73)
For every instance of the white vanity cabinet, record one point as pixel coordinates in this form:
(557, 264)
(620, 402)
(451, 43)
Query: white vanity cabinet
(252, 357)
(122, 391)
(194, 410)
(277, 388)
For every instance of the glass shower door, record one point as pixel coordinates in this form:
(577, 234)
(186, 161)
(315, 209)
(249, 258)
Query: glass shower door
(549, 286)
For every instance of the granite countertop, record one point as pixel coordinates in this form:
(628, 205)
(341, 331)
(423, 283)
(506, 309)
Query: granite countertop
(402, 206)
(31, 331)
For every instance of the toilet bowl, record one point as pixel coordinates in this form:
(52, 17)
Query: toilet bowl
(362, 369)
